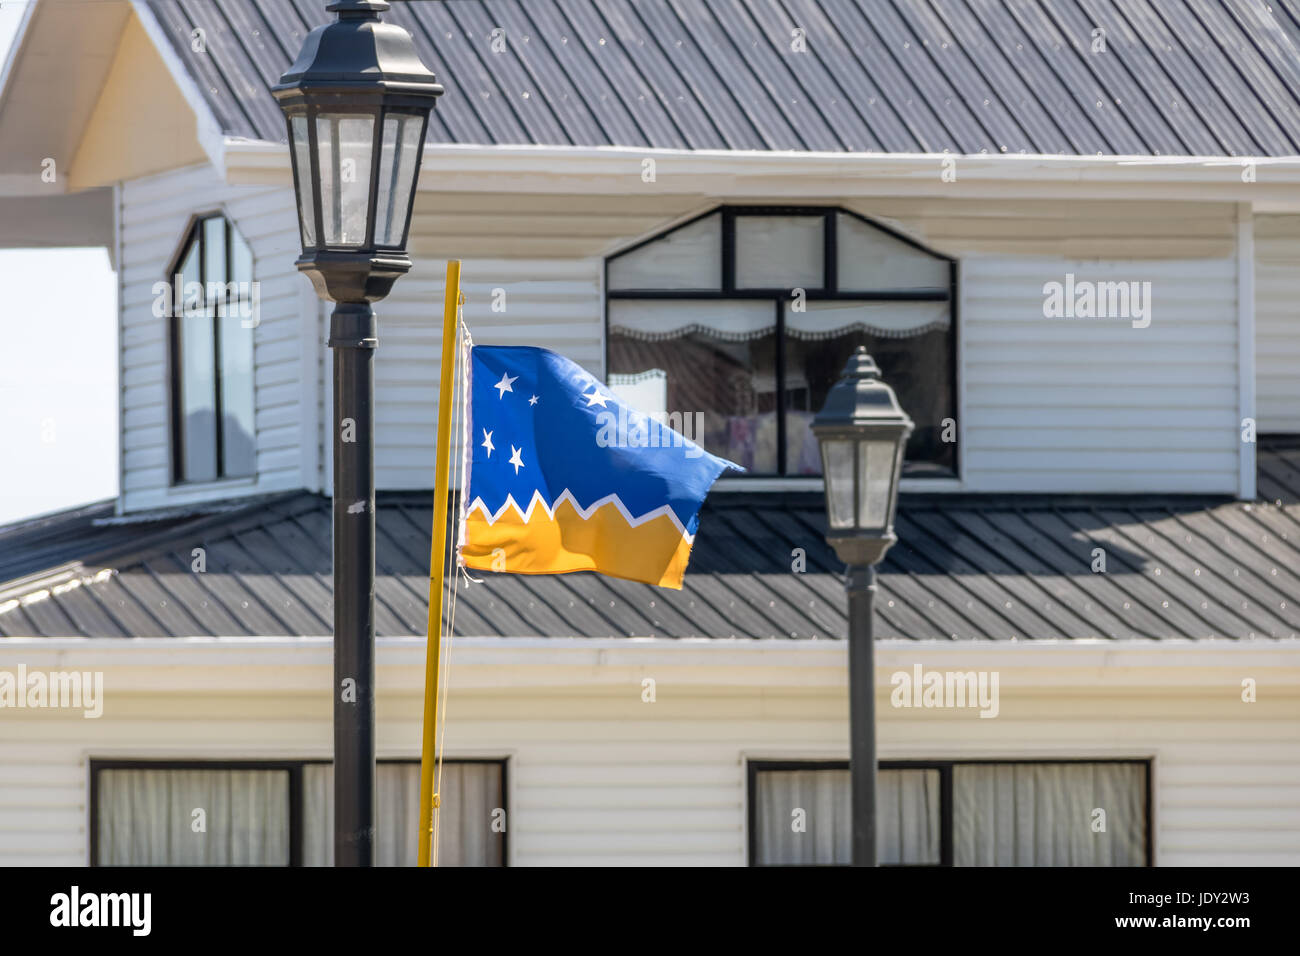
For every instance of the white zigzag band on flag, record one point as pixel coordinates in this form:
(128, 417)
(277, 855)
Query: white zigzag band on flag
(539, 502)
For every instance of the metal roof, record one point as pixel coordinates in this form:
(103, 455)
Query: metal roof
(1175, 77)
(966, 568)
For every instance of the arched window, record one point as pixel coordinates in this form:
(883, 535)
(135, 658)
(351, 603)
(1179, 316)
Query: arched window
(748, 314)
(211, 306)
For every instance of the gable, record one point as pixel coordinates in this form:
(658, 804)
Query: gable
(115, 144)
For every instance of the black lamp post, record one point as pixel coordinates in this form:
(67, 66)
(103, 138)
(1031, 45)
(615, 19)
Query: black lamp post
(862, 431)
(356, 101)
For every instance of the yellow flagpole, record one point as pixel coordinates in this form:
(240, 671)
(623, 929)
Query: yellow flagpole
(437, 553)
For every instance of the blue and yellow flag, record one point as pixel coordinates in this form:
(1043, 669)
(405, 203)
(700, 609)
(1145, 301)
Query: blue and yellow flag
(565, 477)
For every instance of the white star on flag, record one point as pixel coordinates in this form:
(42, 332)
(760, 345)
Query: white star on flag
(515, 459)
(533, 400)
(503, 386)
(595, 398)
(487, 442)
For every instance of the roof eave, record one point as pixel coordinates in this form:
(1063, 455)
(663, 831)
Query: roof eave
(606, 169)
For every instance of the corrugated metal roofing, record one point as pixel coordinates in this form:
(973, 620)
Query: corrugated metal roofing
(965, 568)
(1174, 77)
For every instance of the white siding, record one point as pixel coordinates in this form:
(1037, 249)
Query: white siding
(598, 776)
(1277, 323)
(1067, 405)
(154, 213)
(1095, 404)
(1071, 405)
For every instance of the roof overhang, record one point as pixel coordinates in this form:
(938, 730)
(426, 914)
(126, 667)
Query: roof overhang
(1264, 181)
(76, 77)
(147, 664)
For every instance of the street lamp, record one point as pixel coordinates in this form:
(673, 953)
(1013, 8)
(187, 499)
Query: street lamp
(356, 102)
(862, 431)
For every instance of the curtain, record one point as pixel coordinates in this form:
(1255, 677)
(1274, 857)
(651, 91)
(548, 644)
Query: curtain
(470, 795)
(147, 818)
(804, 817)
(1043, 814)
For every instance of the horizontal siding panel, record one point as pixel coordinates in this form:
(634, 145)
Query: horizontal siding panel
(1132, 396)
(1117, 460)
(1094, 404)
(1018, 438)
(1277, 323)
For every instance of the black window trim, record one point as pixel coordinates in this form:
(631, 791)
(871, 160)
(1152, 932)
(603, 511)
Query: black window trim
(829, 292)
(294, 768)
(945, 768)
(194, 234)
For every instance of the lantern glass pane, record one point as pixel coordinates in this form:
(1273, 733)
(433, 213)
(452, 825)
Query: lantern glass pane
(837, 467)
(399, 156)
(876, 461)
(344, 142)
(302, 157)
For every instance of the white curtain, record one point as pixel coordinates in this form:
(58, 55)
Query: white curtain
(148, 818)
(469, 826)
(654, 320)
(804, 817)
(1032, 814)
(1047, 814)
(890, 320)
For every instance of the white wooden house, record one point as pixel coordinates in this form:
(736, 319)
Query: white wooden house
(623, 182)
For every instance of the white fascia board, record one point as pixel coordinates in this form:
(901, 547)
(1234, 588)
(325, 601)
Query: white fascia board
(16, 49)
(617, 170)
(304, 665)
(210, 135)
(25, 184)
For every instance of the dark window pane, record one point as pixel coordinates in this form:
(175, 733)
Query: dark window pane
(237, 432)
(214, 261)
(718, 359)
(237, 328)
(197, 405)
(909, 341)
(214, 351)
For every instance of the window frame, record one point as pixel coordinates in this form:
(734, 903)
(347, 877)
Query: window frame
(945, 768)
(297, 806)
(829, 292)
(194, 235)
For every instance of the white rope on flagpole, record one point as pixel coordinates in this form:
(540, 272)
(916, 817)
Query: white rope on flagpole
(460, 419)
